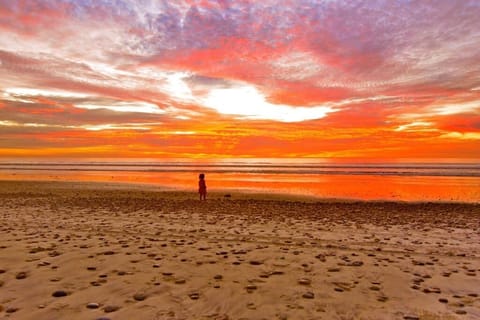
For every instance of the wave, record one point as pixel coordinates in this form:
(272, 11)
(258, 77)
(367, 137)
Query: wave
(382, 169)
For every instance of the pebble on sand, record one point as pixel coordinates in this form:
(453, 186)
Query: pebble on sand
(11, 310)
(109, 309)
(59, 293)
(21, 275)
(139, 296)
(251, 287)
(304, 281)
(194, 295)
(308, 295)
(93, 305)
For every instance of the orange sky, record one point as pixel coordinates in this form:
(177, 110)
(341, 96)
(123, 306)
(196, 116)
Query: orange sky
(219, 79)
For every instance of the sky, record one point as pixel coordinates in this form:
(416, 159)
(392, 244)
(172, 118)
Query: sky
(238, 78)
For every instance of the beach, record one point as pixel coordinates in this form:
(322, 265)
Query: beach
(83, 250)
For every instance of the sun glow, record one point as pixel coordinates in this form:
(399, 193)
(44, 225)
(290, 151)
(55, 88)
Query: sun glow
(247, 102)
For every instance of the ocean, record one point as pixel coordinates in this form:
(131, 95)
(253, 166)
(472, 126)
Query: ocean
(404, 181)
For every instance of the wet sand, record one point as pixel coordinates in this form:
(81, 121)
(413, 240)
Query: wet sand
(106, 251)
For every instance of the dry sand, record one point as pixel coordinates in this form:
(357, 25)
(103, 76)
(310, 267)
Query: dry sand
(96, 251)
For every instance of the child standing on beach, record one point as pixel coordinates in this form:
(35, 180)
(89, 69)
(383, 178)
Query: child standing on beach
(202, 187)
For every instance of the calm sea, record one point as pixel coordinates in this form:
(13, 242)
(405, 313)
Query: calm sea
(408, 181)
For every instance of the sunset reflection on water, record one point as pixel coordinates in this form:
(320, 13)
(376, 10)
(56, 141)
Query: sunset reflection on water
(361, 187)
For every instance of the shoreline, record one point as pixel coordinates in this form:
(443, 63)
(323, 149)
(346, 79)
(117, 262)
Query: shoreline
(218, 194)
(97, 251)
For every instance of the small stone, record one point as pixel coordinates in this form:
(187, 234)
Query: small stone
(338, 289)
(109, 309)
(21, 275)
(308, 295)
(218, 277)
(304, 281)
(443, 300)
(180, 281)
(11, 310)
(194, 295)
(167, 274)
(91, 268)
(382, 299)
(255, 263)
(460, 311)
(59, 293)
(251, 287)
(333, 269)
(411, 318)
(93, 305)
(139, 296)
(375, 288)
(54, 254)
(109, 253)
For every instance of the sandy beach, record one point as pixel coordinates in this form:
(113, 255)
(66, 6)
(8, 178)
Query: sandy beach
(110, 251)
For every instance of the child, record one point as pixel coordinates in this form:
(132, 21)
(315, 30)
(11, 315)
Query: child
(202, 187)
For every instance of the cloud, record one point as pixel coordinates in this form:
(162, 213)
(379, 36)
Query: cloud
(463, 136)
(133, 107)
(226, 70)
(247, 102)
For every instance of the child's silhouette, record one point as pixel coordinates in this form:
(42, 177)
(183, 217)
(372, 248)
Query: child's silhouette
(202, 187)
